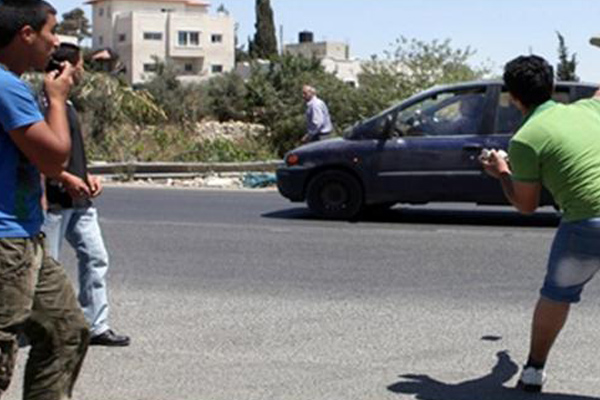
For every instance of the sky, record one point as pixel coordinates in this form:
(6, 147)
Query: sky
(498, 30)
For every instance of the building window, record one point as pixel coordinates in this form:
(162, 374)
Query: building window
(152, 35)
(100, 12)
(183, 39)
(150, 67)
(216, 38)
(100, 40)
(122, 37)
(188, 67)
(216, 69)
(188, 38)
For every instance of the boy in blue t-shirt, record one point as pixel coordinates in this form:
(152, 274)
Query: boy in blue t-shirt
(36, 297)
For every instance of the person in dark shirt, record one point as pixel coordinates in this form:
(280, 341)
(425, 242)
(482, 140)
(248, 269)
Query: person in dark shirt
(468, 120)
(470, 115)
(71, 215)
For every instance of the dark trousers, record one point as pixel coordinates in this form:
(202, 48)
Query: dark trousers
(37, 299)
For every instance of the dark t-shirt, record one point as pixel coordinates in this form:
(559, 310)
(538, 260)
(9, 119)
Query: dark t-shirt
(56, 194)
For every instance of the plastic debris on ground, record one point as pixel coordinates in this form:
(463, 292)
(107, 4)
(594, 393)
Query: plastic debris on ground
(259, 180)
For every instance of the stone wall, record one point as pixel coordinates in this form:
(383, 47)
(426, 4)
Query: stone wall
(228, 130)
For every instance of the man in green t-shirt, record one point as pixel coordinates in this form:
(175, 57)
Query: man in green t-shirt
(557, 146)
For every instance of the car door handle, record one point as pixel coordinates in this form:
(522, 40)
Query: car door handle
(472, 147)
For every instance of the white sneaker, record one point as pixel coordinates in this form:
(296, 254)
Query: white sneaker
(532, 379)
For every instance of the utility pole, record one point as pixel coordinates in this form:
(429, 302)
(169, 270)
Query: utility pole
(281, 39)
(168, 11)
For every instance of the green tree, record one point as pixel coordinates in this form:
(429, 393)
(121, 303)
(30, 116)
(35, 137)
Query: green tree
(565, 69)
(159, 122)
(241, 54)
(114, 115)
(411, 66)
(74, 23)
(183, 104)
(274, 98)
(223, 9)
(264, 44)
(226, 95)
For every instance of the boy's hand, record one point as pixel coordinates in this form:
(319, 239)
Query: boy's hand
(57, 84)
(76, 187)
(494, 163)
(95, 185)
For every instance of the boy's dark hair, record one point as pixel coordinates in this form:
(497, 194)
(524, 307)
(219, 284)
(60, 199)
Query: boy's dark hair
(530, 79)
(67, 52)
(15, 14)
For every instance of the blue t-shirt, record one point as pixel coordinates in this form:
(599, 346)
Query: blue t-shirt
(20, 187)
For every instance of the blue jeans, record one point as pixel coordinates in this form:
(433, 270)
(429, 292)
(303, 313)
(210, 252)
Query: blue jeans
(574, 260)
(81, 229)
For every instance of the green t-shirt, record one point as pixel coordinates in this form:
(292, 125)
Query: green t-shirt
(559, 146)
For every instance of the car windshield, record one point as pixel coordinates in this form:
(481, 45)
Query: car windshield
(446, 113)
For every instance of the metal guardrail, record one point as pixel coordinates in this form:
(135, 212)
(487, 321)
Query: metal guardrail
(132, 170)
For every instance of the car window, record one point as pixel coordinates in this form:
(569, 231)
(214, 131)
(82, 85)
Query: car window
(445, 113)
(508, 117)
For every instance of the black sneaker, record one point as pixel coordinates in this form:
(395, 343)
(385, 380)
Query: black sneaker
(109, 338)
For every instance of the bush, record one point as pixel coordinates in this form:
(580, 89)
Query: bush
(274, 99)
(182, 104)
(175, 143)
(226, 150)
(225, 97)
(159, 121)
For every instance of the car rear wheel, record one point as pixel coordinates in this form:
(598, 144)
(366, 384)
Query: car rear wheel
(335, 195)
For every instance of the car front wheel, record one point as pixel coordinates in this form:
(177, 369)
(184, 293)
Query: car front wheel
(335, 195)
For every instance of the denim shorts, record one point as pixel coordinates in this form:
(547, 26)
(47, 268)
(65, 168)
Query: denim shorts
(574, 259)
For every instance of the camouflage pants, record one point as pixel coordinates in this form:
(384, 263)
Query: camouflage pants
(37, 299)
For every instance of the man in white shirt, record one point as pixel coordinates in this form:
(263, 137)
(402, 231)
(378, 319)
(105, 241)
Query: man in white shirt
(318, 122)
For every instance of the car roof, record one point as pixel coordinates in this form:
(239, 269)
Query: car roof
(468, 85)
(488, 82)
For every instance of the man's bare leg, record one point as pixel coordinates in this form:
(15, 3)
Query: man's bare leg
(548, 320)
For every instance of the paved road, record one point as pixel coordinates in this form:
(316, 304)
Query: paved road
(243, 295)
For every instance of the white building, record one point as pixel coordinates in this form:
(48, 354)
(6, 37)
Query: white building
(178, 31)
(334, 56)
(68, 39)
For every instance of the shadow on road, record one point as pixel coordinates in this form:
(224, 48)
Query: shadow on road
(488, 387)
(434, 216)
